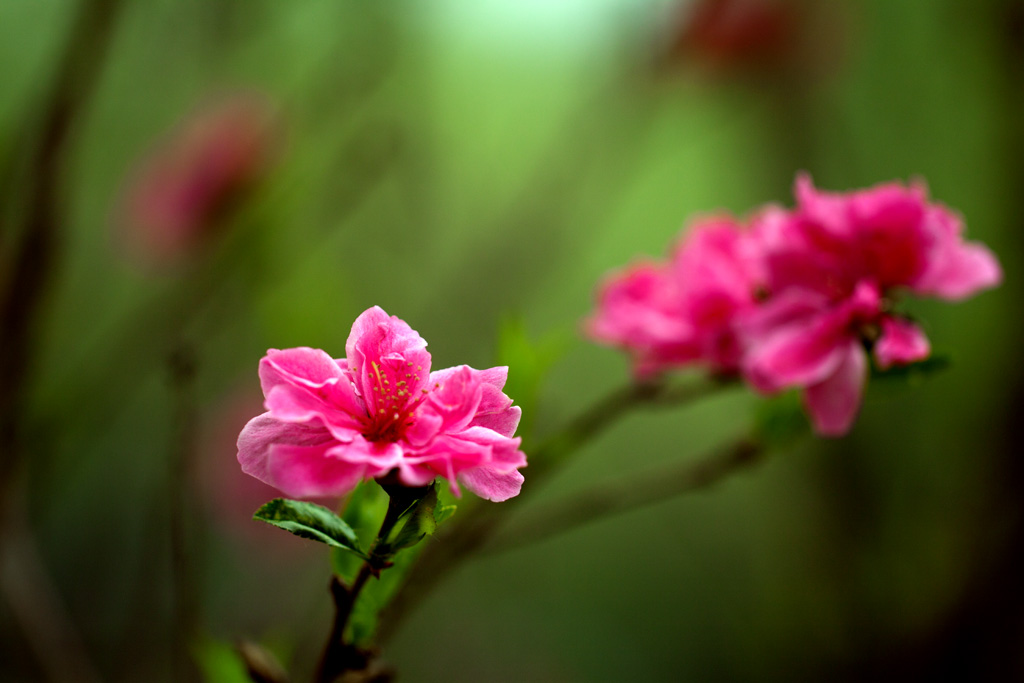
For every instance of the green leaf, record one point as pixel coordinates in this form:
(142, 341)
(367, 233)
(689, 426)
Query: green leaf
(413, 525)
(443, 512)
(364, 509)
(311, 521)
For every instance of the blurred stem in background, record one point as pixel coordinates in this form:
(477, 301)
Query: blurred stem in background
(473, 529)
(628, 494)
(36, 188)
(185, 525)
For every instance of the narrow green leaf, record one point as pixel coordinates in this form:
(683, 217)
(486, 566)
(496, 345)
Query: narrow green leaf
(364, 510)
(413, 525)
(443, 512)
(311, 521)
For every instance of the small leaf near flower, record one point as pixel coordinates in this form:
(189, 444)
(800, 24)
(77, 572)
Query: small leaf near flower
(311, 521)
(415, 523)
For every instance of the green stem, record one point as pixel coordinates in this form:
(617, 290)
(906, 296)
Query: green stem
(339, 656)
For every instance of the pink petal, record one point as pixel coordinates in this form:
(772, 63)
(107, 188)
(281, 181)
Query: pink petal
(452, 454)
(960, 269)
(312, 367)
(264, 431)
(455, 396)
(639, 311)
(504, 422)
(800, 353)
(834, 402)
(505, 453)
(496, 410)
(302, 384)
(312, 471)
(491, 484)
(386, 357)
(425, 426)
(901, 342)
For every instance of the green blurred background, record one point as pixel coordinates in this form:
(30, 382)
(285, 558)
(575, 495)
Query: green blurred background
(461, 162)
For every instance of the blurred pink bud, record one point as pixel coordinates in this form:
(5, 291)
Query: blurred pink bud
(180, 193)
(333, 423)
(731, 33)
(793, 38)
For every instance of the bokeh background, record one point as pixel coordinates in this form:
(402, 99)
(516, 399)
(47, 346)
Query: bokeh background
(462, 163)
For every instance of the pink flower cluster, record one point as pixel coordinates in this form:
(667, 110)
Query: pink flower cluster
(333, 423)
(801, 297)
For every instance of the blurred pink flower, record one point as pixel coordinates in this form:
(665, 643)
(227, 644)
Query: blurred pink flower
(684, 311)
(181, 190)
(834, 267)
(332, 423)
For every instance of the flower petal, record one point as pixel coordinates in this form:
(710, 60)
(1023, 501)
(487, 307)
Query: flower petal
(455, 397)
(264, 431)
(313, 471)
(491, 484)
(302, 384)
(496, 410)
(388, 360)
(957, 269)
(834, 402)
(798, 354)
(901, 342)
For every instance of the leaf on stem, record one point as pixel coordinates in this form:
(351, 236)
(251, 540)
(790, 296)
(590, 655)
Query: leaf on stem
(413, 525)
(311, 521)
(364, 508)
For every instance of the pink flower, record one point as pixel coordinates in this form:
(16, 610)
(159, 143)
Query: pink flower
(684, 311)
(181, 190)
(834, 268)
(332, 423)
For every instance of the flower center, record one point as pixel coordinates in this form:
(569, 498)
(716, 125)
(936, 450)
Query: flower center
(392, 408)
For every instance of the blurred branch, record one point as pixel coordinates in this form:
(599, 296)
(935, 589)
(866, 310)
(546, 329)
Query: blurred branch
(339, 657)
(34, 258)
(367, 159)
(36, 604)
(25, 581)
(181, 490)
(468, 533)
(628, 494)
